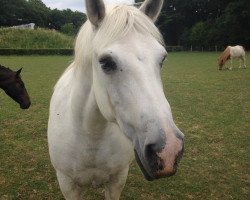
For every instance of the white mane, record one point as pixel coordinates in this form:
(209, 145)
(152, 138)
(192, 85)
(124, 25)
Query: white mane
(118, 21)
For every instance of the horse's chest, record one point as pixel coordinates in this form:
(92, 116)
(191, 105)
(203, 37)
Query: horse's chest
(102, 158)
(94, 168)
(95, 164)
(87, 160)
(93, 176)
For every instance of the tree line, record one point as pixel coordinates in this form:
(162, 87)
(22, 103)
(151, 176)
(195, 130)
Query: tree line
(206, 23)
(198, 23)
(16, 12)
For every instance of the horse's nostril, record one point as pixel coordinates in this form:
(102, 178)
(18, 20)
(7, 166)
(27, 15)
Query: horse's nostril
(153, 148)
(151, 151)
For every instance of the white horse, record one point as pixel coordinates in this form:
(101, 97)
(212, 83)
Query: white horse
(109, 104)
(232, 52)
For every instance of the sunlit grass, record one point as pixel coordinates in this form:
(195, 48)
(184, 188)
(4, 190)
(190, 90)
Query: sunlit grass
(211, 107)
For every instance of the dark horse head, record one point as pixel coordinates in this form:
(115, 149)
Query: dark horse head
(13, 86)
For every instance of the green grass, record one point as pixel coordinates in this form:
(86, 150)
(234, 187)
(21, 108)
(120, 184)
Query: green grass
(211, 107)
(34, 39)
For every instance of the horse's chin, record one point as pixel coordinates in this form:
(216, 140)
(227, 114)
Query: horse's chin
(24, 106)
(148, 175)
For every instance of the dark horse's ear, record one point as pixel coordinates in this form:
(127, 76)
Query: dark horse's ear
(19, 72)
(152, 8)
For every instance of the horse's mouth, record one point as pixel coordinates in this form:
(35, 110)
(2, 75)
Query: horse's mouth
(156, 171)
(25, 106)
(148, 175)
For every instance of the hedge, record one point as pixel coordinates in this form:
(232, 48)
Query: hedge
(36, 51)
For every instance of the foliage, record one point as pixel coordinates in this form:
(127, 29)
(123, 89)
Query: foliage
(224, 22)
(34, 39)
(197, 33)
(11, 11)
(210, 106)
(16, 12)
(220, 22)
(68, 29)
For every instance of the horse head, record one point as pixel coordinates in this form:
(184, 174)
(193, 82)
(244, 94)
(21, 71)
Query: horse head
(15, 88)
(224, 57)
(221, 63)
(129, 54)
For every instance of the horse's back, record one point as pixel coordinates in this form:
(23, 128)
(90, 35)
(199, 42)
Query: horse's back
(237, 51)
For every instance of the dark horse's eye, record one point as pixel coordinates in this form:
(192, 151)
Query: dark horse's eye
(22, 84)
(108, 64)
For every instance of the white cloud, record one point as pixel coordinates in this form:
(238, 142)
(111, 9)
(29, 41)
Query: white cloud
(78, 4)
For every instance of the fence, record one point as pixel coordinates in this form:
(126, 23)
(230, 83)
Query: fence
(195, 48)
(207, 48)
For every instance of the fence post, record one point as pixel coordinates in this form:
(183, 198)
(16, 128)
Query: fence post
(216, 48)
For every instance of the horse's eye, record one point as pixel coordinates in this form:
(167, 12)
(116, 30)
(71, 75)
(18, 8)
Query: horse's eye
(161, 64)
(108, 64)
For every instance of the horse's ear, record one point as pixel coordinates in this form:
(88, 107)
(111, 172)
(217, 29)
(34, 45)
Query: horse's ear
(95, 11)
(152, 8)
(19, 72)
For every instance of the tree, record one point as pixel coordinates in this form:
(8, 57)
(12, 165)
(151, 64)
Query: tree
(197, 35)
(68, 29)
(16, 12)
(205, 22)
(37, 13)
(12, 12)
(182, 22)
(237, 22)
(61, 19)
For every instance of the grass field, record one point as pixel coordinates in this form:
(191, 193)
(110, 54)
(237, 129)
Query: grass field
(34, 39)
(211, 107)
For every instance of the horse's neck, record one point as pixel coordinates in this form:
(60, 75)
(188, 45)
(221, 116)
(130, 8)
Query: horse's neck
(84, 106)
(3, 81)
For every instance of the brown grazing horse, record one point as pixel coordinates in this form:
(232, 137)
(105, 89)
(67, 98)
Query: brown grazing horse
(232, 52)
(13, 86)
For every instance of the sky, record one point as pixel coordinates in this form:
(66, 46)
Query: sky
(78, 5)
